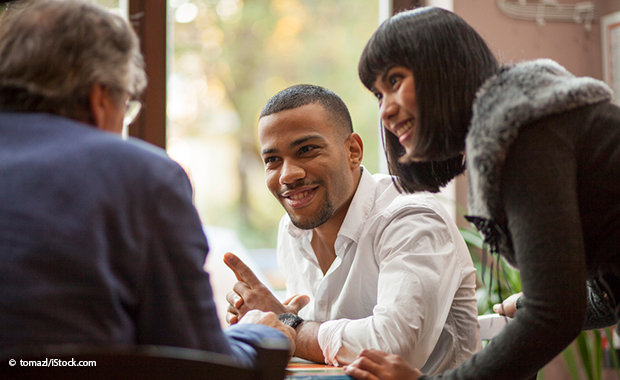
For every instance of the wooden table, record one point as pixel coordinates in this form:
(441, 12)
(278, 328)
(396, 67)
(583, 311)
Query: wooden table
(298, 370)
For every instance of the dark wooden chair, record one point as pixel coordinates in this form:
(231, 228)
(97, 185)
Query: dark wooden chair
(138, 363)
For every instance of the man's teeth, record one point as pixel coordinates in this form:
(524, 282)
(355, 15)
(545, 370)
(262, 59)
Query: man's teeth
(406, 127)
(299, 196)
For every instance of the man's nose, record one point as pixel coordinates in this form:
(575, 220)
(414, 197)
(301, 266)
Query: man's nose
(291, 172)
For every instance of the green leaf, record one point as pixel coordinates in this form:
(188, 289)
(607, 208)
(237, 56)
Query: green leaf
(612, 350)
(472, 238)
(584, 352)
(571, 364)
(598, 355)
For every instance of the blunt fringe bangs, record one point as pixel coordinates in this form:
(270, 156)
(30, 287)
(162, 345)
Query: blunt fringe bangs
(449, 61)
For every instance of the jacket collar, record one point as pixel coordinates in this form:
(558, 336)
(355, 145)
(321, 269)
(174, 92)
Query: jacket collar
(519, 95)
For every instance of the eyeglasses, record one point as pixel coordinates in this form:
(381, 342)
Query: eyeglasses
(132, 109)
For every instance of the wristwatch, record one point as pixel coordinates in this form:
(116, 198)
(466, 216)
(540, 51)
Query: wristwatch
(290, 319)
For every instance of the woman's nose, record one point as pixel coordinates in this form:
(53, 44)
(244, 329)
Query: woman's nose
(388, 108)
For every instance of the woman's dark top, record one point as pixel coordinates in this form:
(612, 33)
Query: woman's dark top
(547, 200)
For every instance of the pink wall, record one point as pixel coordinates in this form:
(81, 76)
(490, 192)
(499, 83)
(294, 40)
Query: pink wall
(515, 40)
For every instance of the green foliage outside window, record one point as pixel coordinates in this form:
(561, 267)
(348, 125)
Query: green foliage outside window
(228, 58)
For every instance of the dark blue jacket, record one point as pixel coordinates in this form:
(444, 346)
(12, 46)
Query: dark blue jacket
(100, 243)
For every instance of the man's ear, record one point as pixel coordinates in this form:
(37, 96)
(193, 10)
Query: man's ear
(97, 99)
(355, 152)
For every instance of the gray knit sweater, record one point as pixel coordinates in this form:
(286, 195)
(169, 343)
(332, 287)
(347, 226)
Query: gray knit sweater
(543, 162)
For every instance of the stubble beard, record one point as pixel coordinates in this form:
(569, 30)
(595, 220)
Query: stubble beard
(324, 214)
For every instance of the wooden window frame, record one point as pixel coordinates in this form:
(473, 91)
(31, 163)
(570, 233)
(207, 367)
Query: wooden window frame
(401, 5)
(149, 19)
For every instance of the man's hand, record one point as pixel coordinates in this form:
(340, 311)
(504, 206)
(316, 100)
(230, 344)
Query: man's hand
(271, 320)
(509, 306)
(249, 293)
(377, 365)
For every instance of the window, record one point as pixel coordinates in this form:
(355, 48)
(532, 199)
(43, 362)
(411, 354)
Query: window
(228, 57)
(225, 59)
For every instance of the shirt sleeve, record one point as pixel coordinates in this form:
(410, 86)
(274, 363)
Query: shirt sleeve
(600, 314)
(419, 274)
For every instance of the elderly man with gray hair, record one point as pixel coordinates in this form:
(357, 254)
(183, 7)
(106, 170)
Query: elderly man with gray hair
(99, 240)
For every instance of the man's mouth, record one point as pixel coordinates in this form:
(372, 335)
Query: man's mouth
(299, 198)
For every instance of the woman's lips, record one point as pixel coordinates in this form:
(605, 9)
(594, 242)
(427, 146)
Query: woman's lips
(404, 137)
(404, 130)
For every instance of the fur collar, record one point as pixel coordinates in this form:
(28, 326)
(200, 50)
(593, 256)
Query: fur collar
(520, 94)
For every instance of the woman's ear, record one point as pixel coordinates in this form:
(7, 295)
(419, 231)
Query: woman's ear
(355, 148)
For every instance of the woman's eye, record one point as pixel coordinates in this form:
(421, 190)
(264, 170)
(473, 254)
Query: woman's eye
(378, 95)
(394, 79)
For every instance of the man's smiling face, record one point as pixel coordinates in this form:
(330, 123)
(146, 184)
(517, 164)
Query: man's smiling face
(306, 164)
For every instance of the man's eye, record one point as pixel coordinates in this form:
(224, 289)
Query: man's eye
(379, 96)
(306, 149)
(269, 160)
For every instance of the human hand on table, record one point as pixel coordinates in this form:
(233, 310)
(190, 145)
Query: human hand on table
(249, 293)
(271, 319)
(509, 306)
(372, 364)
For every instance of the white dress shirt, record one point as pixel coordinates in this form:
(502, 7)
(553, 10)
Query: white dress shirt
(402, 282)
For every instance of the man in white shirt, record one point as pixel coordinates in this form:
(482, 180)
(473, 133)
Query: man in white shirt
(366, 266)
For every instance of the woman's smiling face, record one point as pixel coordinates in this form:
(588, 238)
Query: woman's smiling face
(398, 108)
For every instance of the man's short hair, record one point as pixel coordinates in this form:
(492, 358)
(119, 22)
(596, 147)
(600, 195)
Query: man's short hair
(52, 53)
(304, 94)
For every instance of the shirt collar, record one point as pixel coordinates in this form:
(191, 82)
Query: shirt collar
(360, 207)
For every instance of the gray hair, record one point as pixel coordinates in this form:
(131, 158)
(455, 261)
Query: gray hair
(52, 52)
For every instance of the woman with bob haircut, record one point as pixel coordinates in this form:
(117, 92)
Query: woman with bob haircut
(542, 152)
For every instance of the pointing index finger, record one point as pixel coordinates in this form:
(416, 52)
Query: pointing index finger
(242, 271)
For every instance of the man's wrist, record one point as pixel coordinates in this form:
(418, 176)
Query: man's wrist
(290, 319)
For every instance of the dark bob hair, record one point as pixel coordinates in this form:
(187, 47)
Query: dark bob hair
(449, 61)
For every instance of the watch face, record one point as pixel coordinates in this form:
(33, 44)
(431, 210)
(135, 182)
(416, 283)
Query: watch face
(290, 319)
